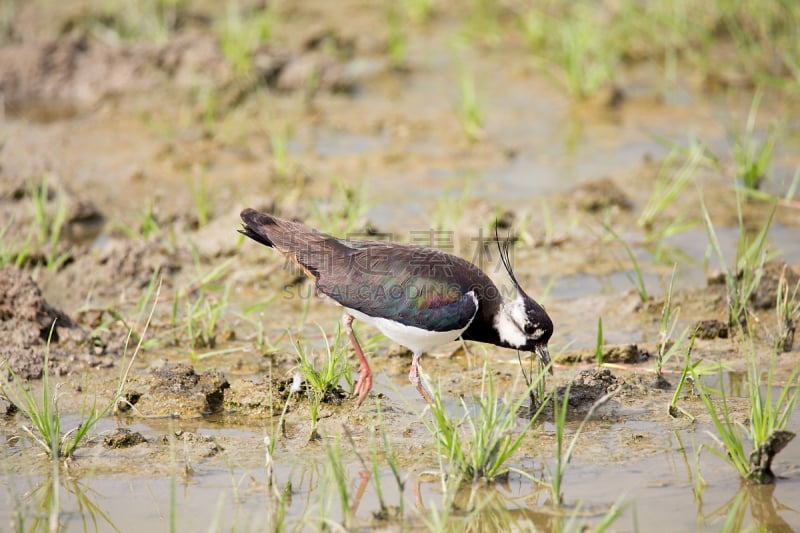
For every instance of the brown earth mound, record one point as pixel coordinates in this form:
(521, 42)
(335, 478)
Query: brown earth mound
(26, 320)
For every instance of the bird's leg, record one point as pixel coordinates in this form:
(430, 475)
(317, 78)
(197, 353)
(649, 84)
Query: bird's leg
(416, 380)
(364, 383)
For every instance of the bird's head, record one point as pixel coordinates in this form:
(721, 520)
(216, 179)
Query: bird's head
(523, 323)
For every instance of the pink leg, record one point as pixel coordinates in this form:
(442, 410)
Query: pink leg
(364, 383)
(416, 380)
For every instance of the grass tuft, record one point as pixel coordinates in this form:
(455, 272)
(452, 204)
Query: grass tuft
(669, 185)
(241, 33)
(787, 308)
(396, 40)
(479, 445)
(667, 347)
(11, 252)
(345, 214)
(584, 58)
(202, 199)
(768, 418)
(742, 282)
(48, 226)
(598, 348)
(470, 111)
(322, 383)
(753, 158)
(689, 370)
(44, 412)
(637, 279)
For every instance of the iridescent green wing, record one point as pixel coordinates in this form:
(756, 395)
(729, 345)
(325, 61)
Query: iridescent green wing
(415, 286)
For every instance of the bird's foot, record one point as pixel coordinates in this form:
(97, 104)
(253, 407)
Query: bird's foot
(363, 385)
(423, 390)
(417, 381)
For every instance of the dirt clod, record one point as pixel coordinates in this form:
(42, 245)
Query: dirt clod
(25, 322)
(595, 195)
(128, 399)
(761, 457)
(123, 438)
(589, 386)
(178, 391)
(121, 266)
(6, 407)
(198, 446)
(257, 398)
(766, 294)
(628, 354)
(711, 329)
(68, 74)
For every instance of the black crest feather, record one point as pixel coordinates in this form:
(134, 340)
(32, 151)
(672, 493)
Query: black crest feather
(505, 257)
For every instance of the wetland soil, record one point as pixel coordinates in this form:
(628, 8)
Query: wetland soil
(124, 165)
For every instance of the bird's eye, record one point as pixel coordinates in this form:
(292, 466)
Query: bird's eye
(530, 328)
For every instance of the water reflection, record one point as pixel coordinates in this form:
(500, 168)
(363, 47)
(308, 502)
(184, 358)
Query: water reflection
(500, 507)
(764, 510)
(44, 505)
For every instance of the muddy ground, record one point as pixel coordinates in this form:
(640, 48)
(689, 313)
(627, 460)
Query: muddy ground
(126, 157)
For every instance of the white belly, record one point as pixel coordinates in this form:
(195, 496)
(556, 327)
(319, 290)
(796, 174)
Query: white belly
(415, 339)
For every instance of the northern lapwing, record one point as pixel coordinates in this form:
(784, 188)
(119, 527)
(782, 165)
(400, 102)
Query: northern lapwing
(419, 297)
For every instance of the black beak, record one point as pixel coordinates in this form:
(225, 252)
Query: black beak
(544, 356)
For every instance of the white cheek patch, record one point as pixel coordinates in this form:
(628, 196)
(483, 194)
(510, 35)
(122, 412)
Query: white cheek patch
(509, 320)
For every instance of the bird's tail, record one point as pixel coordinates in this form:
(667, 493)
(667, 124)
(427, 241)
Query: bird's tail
(309, 249)
(255, 225)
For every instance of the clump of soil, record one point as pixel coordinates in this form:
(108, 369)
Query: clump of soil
(134, 262)
(711, 329)
(766, 294)
(628, 354)
(79, 220)
(68, 74)
(599, 194)
(335, 395)
(121, 266)
(16, 194)
(6, 407)
(123, 438)
(761, 458)
(25, 323)
(197, 446)
(62, 77)
(589, 386)
(257, 398)
(178, 391)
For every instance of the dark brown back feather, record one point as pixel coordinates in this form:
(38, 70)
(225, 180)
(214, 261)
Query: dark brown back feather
(312, 251)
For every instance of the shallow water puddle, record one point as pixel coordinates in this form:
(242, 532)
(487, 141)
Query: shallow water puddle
(648, 465)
